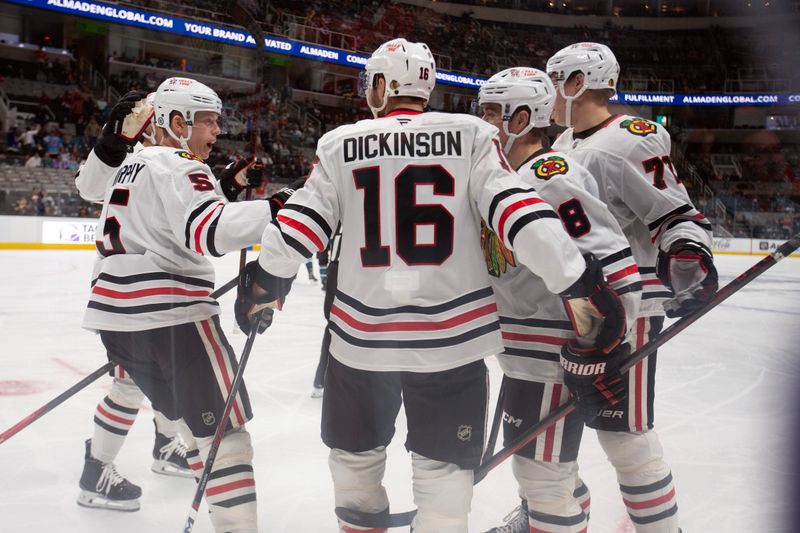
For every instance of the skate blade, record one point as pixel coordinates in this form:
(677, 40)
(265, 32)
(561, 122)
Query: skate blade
(165, 468)
(98, 501)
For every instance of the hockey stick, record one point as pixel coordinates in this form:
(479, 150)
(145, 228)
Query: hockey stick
(85, 382)
(784, 250)
(49, 406)
(723, 294)
(498, 415)
(212, 452)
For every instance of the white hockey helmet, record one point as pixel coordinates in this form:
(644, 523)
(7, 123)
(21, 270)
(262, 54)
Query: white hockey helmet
(151, 137)
(408, 68)
(597, 63)
(188, 97)
(518, 87)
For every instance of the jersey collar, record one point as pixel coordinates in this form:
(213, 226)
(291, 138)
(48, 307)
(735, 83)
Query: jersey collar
(594, 129)
(534, 155)
(402, 111)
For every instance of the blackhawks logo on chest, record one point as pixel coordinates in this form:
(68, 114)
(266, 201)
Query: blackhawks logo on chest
(638, 126)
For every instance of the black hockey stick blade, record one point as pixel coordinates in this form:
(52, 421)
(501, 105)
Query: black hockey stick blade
(374, 520)
(226, 412)
(565, 409)
(49, 406)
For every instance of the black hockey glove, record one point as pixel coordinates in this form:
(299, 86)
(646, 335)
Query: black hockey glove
(688, 270)
(279, 199)
(240, 175)
(259, 292)
(593, 378)
(595, 309)
(112, 147)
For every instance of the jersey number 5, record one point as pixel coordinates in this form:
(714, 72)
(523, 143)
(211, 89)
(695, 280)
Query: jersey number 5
(111, 226)
(408, 216)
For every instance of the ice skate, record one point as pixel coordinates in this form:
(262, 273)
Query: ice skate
(169, 457)
(515, 522)
(103, 488)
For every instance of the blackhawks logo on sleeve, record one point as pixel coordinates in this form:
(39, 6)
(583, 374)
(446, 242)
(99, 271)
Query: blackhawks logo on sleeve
(549, 167)
(188, 155)
(495, 253)
(638, 126)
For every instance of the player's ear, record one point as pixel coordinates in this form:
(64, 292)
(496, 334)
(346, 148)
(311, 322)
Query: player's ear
(178, 124)
(579, 80)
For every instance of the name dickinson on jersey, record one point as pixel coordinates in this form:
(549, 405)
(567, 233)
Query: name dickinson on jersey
(402, 144)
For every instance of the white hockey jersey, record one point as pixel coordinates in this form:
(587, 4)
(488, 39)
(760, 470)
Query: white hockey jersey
(630, 159)
(162, 214)
(410, 190)
(533, 320)
(94, 176)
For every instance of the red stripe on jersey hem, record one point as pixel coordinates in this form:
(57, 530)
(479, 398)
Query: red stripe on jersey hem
(537, 530)
(586, 503)
(302, 228)
(223, 370)
(647, 504)
(348, 529)
(513, 208)
(143, 293)
(529, 337)
(115, 418)
(233, 485)
(550, 436)
(619, 274)
(199, 229)
(415, 325)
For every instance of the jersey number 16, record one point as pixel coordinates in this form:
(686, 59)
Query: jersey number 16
(408, 214)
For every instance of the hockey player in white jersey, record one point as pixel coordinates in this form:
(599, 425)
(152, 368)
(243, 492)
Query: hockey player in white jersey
(414, 314)
(150, 297)
(671, 242)
(534, 323)
(116, 412)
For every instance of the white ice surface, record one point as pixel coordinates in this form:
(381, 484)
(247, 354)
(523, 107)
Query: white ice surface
(720, 412)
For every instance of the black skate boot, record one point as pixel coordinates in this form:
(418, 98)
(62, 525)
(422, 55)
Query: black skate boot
(169, 456)
(515, 522)
(103, 488)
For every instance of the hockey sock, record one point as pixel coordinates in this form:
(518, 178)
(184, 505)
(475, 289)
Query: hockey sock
(112, 422)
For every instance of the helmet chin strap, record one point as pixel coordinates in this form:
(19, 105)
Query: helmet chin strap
(183, 141)
(511, 137)
(568, 100)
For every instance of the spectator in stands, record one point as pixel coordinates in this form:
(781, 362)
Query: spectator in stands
(53, 142)
(29, 139)
(13, 145)
(34, 161)
(92, 131)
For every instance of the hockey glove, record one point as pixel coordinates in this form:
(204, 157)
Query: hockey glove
(240, 175)
(595, 309)
(593, 378)
(258, 294)
(112, 146)
(688, 270)
(279, 199)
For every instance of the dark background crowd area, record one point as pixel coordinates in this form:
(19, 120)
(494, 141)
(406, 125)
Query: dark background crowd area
(754, 185)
